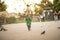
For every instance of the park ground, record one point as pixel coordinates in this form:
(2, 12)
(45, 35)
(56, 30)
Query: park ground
(19, 31)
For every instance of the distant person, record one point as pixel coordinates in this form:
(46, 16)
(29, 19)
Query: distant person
(28, 22)
(43, 14)
(41, 18)
(59, 15)
(55, 16)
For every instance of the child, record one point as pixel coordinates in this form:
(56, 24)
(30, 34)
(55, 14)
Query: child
(28, 22)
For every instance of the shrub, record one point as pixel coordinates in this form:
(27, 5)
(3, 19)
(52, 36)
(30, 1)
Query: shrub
(11, 19)
(3, 18)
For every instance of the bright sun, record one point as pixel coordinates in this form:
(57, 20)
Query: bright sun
(19, 6)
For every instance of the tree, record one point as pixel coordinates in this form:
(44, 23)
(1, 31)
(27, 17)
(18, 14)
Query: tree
(46, 3)
(56, 4)
(38, 8)
(2, 6)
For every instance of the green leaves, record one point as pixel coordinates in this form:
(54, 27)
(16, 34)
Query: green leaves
(46, 3)
(2, 6)
(56, 5)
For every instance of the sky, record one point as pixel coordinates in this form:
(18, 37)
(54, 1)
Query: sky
(19, 6)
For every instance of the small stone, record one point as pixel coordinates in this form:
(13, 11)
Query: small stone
(58, 27)
(43, 32)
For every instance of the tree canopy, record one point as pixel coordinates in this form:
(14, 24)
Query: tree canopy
(44, 4)
(56, 4)
(2, 6)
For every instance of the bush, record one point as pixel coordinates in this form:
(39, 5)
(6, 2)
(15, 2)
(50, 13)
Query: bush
(11, 19)
(3, 18)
